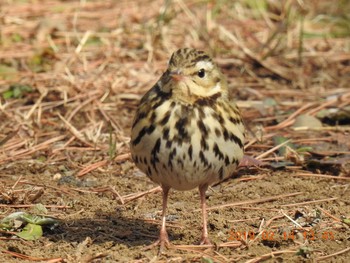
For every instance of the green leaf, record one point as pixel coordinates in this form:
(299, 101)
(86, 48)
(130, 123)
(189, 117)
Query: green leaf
(41, 158)
(269, 102)
(279, 140)
(17, 91)
(257, 5)
(31, 232)
(304, 251)
(16, 37)
(207, 260)
(7, 72)
(346, 221)
(304, 149)
(39, 209)
(8, 223)
(8, 94)
(38, 220)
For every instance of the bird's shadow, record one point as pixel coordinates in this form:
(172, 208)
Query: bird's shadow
(112, 227)
(108, 227)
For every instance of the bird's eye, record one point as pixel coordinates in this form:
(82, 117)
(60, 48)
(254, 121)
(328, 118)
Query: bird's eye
(201, 73)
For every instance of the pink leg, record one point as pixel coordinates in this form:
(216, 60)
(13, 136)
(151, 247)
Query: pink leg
(163, 235)
(163, 239)
(205, 239)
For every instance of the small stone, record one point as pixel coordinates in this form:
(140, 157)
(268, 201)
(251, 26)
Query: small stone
(307, 121)
(57, 176)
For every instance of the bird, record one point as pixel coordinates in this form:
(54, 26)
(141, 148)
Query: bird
(187, 132)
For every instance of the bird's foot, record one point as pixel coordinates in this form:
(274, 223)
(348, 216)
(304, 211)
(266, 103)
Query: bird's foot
(205, 241)
(163, 241)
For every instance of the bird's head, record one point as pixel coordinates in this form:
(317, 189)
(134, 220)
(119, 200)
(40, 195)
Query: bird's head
(193, 75)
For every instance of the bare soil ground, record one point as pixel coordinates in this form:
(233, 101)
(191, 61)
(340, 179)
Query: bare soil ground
(71, 76)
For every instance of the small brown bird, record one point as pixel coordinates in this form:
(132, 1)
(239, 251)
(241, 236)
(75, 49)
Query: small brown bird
(186, 132)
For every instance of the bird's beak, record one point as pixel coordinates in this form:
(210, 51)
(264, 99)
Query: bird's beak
(176, 75)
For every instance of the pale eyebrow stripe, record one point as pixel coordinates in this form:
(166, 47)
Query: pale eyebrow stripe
(205, 64)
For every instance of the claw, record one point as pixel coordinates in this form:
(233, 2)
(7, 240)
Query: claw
(205, 241)
(163, 241)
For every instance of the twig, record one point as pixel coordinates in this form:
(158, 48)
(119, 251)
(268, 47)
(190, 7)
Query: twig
(290, 119)
(94, 166)
(17, 181)
(21, 153)
(80, 106)
(37, 103)
(334, 254)
(335, 128)
(48, 186)
(325, 176)
(267, 63)
(107, 189)
(32, 205)
(234, 244)
(83, 41)
(272, 150)
(30, 258)
(10, 136)
(91, 167)
(243, 220)
(256, 201)
(131, 197)
(198, 249)
(122, 157)
(311, 202)
(269, 222)
(258, 208)
(322, 106)
(291, 219)
(270, 255)
(74, 131)
(329, 214)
